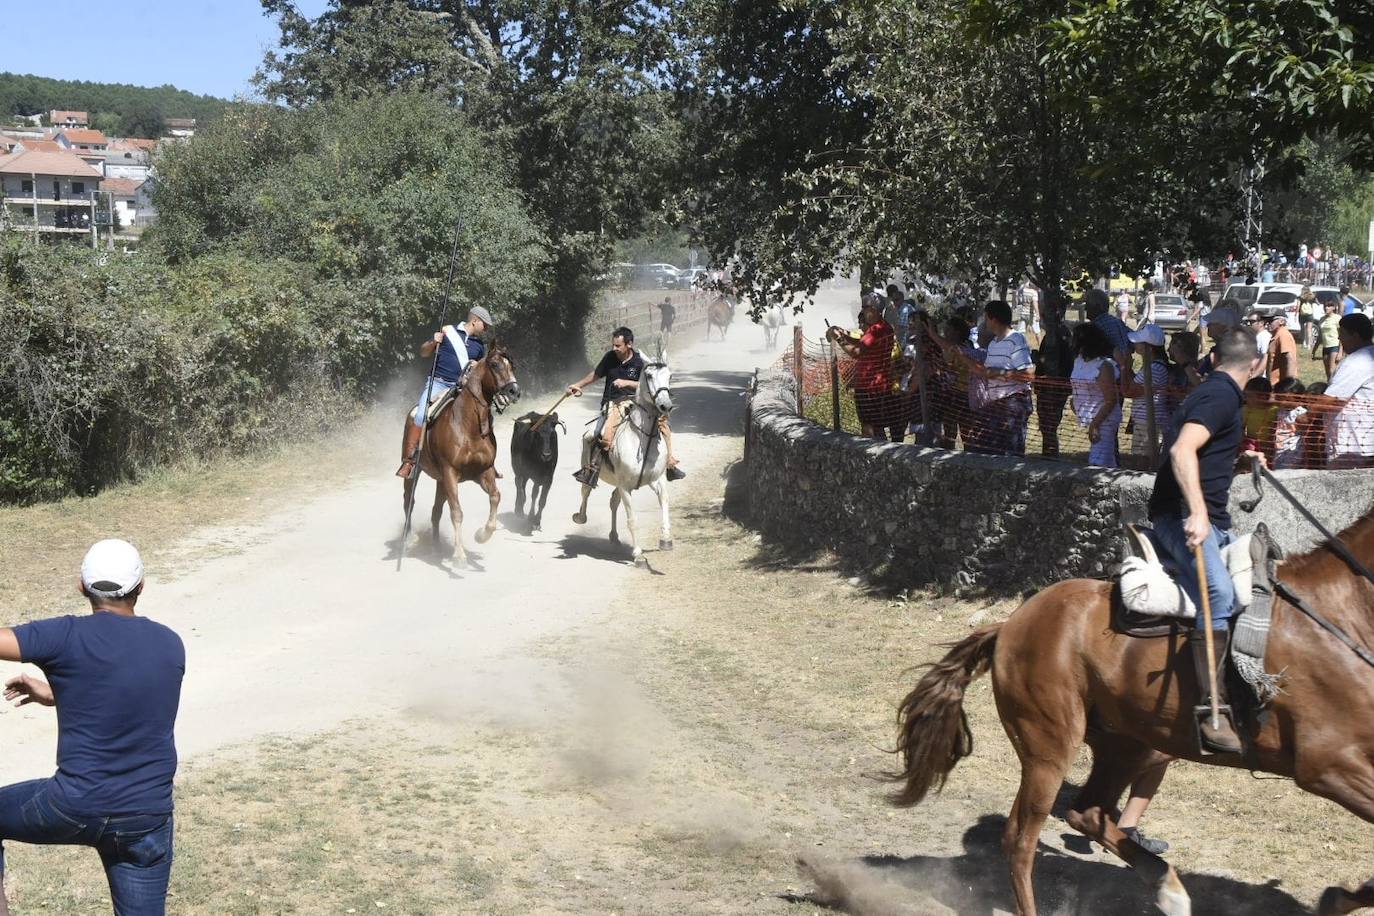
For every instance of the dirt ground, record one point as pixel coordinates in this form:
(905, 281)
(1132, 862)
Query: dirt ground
(565, 733)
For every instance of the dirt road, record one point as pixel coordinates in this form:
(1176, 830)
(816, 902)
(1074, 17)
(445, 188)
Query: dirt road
(564, 733)
(306, 621)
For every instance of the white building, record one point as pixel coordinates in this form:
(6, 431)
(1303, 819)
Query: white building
(48, 192)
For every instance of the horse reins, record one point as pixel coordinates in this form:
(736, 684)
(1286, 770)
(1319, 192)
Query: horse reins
(1337, 546)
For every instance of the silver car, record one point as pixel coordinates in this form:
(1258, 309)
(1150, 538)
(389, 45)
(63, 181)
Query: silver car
(1169, 311)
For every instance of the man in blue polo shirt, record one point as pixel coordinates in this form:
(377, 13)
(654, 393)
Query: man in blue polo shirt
(115, 679)
(458, 345)
(1188, 505)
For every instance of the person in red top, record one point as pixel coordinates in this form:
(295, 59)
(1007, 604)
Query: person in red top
(873, 371)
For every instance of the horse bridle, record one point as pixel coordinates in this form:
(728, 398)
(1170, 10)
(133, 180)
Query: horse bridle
(1337, 546)
(499, 401)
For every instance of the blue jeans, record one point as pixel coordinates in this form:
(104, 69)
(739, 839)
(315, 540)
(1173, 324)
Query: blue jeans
(136, 849)
(440, 386)
(1220, 589)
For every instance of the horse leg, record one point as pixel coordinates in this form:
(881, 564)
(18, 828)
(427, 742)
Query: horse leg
(488, 483)
(1117, 762)
(665, 537)
(437, 512)
(636, 552)
(455, 514)
(1350, 783)
(615, 505)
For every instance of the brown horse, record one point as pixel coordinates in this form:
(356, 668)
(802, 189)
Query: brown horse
(461, 446)
(719, 314)
(1061, 675)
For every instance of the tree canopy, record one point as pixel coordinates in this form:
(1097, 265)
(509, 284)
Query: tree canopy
(118, 108)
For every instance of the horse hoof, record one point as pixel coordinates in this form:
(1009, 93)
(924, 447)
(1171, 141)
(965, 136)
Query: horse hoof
(1171, 898)
(641, 561)
(615, 538)
(482, 536)
(1332, 902)
(665, 545)
(579, 518)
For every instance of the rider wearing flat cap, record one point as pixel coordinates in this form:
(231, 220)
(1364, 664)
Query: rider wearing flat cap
(458, 346)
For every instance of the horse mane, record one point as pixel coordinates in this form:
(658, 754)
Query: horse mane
(1358, 536)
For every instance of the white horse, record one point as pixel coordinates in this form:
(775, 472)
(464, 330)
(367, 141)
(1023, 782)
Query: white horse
(773, 320)
(638, 457)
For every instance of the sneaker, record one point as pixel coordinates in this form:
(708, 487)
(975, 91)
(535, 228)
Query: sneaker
(1149, 844)
(675, 473)
(586, 477)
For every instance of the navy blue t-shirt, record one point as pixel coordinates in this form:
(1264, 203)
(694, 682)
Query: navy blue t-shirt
(447, 366)
(117, 683)
(1217, 404)
(611, 368)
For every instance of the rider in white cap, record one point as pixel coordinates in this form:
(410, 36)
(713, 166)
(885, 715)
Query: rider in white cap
(458, 345)
(115, 679)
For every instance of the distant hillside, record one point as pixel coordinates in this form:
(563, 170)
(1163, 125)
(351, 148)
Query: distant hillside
(116, 108)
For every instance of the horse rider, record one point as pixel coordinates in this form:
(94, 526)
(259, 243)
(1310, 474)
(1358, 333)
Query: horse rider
(621, 367)
(1188, 505)
(458, 347)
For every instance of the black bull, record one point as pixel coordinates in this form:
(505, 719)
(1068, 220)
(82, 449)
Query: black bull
(534, 457)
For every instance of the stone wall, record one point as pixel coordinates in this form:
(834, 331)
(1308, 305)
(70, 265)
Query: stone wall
(908, 515)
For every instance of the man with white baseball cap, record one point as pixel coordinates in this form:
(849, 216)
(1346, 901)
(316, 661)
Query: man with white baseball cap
(115, 679)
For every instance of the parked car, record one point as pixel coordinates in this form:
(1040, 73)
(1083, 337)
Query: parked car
(655, 276)
(1277, 295)
(691, 277)
(1169, 311)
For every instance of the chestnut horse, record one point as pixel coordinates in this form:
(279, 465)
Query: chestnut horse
(719, 314)
(1062, 675)
(461, 446)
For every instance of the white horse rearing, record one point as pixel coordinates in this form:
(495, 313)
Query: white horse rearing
(638, 457)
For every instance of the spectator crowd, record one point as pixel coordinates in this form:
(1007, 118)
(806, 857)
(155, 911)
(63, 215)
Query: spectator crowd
(971, 378)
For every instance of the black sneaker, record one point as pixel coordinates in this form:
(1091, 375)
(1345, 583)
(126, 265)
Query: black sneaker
(675, 473)
(1149, 844)
(586, 477)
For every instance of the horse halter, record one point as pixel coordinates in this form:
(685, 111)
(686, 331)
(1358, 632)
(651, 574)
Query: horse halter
(507, 393)
(650, 376)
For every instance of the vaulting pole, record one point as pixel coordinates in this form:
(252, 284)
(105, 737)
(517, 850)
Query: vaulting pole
(1207, 622)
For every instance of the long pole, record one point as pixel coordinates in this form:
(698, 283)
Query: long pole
(534, 427)
(413, 480)
(927, 430)
(1207, 622)
(834, 387)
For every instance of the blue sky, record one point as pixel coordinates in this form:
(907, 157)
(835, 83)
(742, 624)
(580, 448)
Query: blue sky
(210, 47)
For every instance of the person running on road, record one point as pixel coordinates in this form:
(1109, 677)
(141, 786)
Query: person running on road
(115, 679)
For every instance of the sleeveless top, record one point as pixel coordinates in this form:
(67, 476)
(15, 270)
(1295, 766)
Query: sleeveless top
(1087, 397)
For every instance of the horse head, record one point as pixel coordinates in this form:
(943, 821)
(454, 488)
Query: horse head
(656, 389)
(500, 379)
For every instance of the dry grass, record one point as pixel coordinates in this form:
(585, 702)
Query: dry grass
(43, 544)
(682, 754)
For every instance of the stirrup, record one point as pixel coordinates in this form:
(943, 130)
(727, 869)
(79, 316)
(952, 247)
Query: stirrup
(1208, 748)
(675, 473)
(587, 476)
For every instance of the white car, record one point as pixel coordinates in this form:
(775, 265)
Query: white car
(1275, 295)
(1168, 310)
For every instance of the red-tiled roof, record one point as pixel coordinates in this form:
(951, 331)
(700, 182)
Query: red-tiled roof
(122, 187)
(42, 146)
(29, 162)
(178, 122)
(80, 117)
(81, 135)
(131, 144)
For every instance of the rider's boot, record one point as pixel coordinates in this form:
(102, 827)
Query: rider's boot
(1222, 739)
(410, 448)
(674, 472)
(590, 471)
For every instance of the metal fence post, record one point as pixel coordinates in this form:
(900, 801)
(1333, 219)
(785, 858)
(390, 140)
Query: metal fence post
(927, 431)
(797, 365)
(834, 388)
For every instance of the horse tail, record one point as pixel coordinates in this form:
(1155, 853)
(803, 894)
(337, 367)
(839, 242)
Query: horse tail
(932, 727)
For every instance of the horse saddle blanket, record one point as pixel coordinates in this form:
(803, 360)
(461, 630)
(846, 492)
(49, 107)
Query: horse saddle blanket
(437, 406)
(1149, 587)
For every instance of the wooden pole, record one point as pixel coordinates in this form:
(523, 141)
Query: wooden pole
(797, 363)
(1207, 622)
(927, 431)
(834, 387)
(534, 427)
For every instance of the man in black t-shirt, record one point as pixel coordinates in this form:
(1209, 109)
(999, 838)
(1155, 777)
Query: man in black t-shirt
(621, 367)
(667, 312)
(1188, 505)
